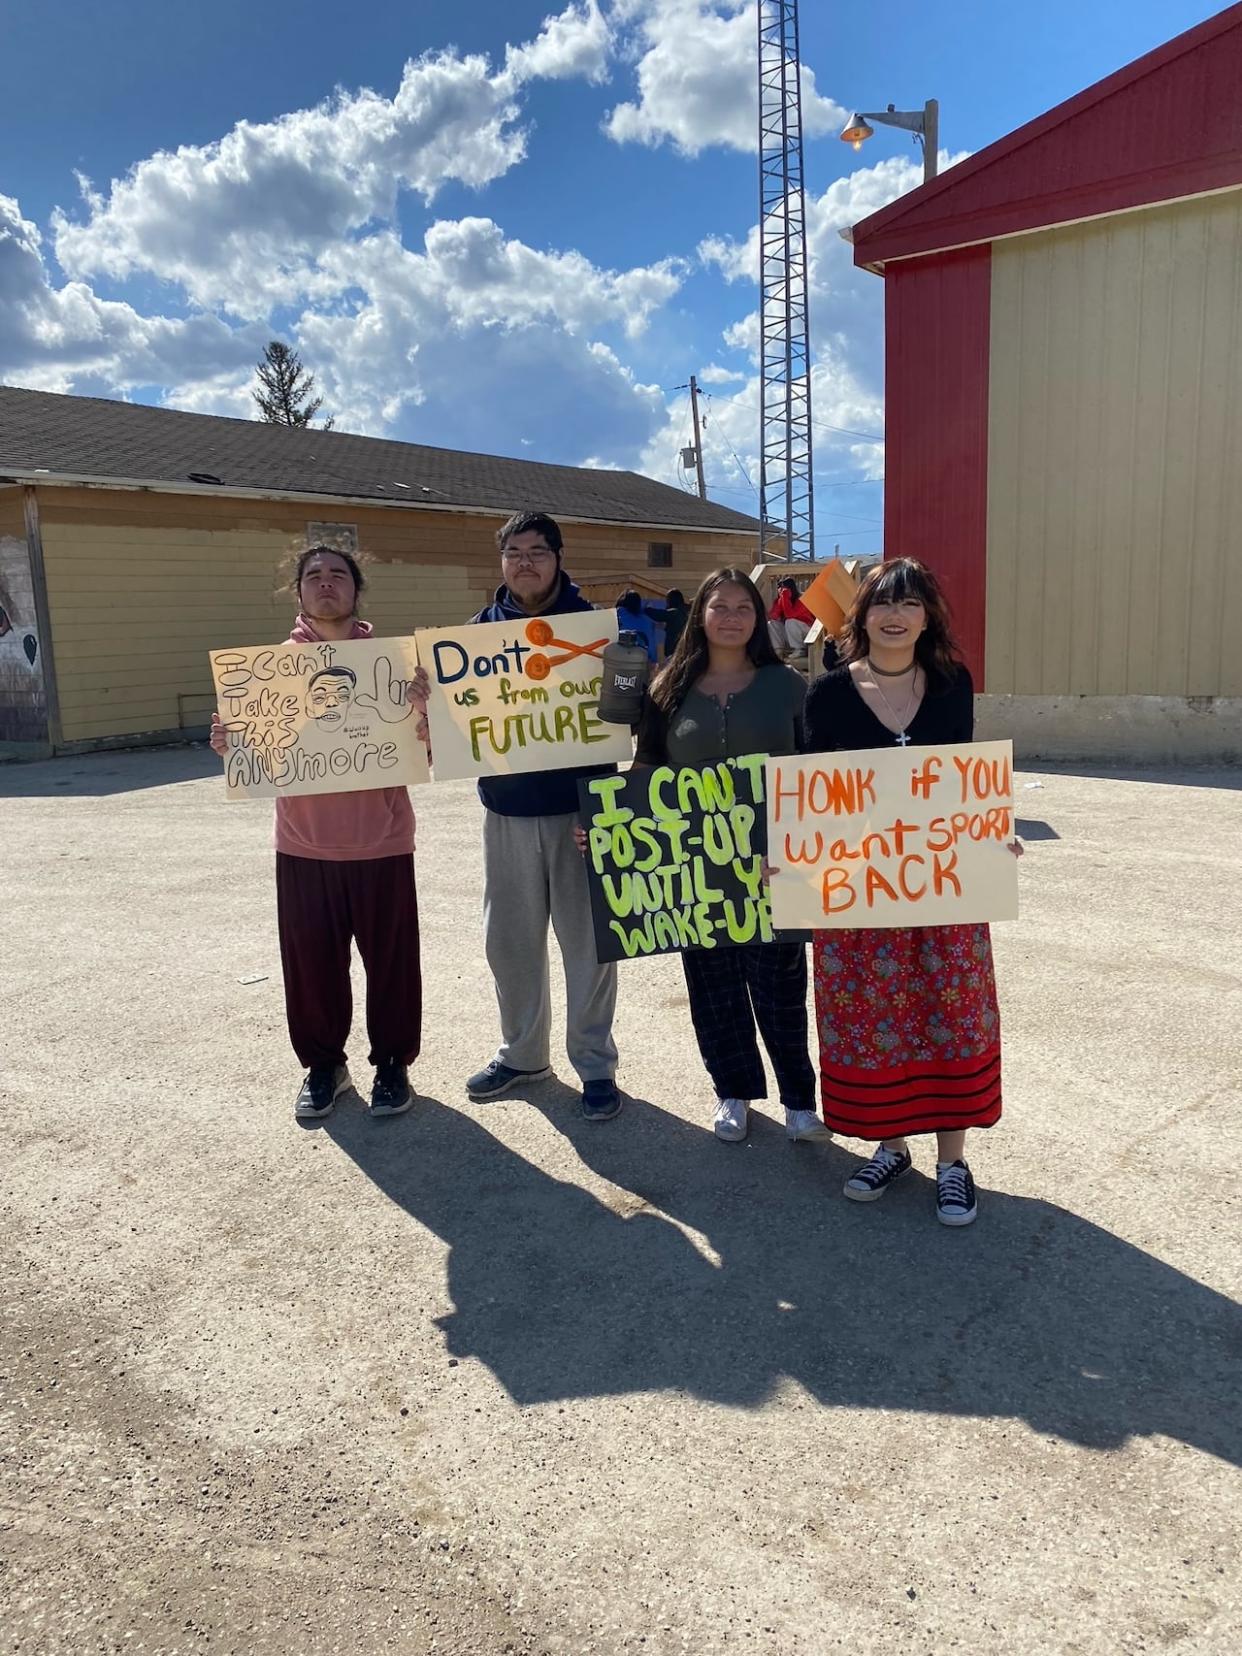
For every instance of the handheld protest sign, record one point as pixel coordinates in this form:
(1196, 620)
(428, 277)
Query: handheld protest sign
(520, 696)
(911, 836)
(318, 718)
(675, 858)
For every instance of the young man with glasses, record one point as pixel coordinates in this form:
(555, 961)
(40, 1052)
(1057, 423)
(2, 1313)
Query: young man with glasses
(532, 872)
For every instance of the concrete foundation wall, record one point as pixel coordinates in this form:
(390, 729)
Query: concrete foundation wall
(1137, 730)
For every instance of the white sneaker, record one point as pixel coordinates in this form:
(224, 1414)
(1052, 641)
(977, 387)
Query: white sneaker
(729, 1122)
(802, 1126)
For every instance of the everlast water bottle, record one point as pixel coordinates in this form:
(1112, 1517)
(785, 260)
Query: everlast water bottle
(624, 679)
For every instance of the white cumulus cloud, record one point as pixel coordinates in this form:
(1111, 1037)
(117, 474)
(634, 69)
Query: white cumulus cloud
(575, 45)
(58, 339)
(239, 223)
(696, 68)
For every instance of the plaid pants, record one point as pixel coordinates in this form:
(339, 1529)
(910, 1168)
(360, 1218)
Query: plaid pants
(732, 990)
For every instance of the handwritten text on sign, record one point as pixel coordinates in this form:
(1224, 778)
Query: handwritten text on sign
(893, 837)
(509, 696)
(318, 718)
(675, 858)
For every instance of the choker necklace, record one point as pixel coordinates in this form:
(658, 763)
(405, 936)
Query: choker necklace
(886, 672)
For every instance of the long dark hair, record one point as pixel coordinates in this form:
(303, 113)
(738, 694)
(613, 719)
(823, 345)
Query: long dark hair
(936, 651)
(690, 658)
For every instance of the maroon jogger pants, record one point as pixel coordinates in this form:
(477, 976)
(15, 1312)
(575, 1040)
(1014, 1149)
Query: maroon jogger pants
(320, 906)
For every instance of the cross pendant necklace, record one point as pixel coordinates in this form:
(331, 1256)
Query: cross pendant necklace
(903, 719)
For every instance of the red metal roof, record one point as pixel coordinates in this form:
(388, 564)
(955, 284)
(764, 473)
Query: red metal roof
(1166, 126)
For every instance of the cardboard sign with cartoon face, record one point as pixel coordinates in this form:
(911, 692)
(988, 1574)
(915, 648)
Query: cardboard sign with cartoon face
(318, 718)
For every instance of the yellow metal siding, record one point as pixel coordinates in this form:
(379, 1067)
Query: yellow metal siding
(141, 586)
(1115, 456)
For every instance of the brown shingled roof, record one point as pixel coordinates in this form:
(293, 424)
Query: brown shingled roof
(132, 443)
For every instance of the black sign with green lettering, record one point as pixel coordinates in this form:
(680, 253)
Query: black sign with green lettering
(675, 858)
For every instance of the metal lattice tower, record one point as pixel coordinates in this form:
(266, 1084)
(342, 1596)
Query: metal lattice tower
(786, 493)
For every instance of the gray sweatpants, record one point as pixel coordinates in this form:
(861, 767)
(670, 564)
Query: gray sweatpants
(533, 872)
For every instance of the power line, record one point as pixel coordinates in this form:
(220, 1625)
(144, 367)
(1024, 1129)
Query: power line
(817, 425)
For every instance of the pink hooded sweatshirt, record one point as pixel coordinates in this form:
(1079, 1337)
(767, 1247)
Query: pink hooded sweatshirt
(346, 827)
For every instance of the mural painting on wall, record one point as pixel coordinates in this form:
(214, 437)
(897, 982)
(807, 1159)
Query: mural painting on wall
(23, 702)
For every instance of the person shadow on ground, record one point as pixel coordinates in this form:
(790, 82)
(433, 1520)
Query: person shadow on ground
(721, 1271)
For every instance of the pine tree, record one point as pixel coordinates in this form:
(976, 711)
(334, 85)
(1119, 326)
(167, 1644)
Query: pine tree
(285, 394)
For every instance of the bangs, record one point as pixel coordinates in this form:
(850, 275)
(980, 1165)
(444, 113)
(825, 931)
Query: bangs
(899, 580)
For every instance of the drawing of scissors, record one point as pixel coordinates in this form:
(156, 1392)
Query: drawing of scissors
(541, 633)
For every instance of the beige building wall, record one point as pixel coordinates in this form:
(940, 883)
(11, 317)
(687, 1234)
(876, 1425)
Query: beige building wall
(141, 586)
(1115, 457)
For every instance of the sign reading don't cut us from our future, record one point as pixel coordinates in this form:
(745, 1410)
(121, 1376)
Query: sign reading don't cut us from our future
(520, 696)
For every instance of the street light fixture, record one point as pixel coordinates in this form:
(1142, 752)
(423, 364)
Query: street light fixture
(923, 123)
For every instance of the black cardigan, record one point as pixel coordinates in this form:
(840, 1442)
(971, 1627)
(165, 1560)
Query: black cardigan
(838, 719)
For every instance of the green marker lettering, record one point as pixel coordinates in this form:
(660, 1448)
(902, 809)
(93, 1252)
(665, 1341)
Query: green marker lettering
(750, 873)
(619, 893)
(742, 820)
(752, 764)
(718, 841)
(740, 928)
(606, 789)
(634, 940)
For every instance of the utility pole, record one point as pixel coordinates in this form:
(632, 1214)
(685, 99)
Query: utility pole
(786, 492)
(698, 440)
(694, 456)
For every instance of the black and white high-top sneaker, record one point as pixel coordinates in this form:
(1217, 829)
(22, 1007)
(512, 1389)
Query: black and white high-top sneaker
(869, 1182)
(955, 1194)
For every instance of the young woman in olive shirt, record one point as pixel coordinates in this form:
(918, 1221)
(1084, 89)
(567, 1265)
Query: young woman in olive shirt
(722, 695)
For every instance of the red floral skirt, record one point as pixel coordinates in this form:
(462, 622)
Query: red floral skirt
(909, 1031)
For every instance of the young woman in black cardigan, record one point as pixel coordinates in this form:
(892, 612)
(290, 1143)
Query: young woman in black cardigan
(909, 1029)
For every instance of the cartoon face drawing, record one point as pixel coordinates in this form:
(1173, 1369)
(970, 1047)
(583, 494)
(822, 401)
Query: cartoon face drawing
(329, 694)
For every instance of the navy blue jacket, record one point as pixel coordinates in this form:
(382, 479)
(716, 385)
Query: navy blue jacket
(538, 793)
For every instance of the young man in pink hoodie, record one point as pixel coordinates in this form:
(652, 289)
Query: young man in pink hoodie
(345, 872)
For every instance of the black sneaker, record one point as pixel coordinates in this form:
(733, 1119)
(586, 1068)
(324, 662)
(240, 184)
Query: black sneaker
(955, 1194)
(869, 1182)
(390, 1095)
(600, 1100)
(320, 1091)
(498, 1079)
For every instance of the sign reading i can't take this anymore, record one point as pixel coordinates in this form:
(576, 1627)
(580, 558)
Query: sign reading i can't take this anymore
(515, 696)
(915, 836)
(318, 718)
(675, 858)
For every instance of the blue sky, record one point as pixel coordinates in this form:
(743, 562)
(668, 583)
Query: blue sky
(514, 227)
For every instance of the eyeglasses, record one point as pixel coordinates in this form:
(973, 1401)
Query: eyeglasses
(541, 554)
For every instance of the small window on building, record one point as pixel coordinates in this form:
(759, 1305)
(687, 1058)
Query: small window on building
(343, 536)
(659, 554)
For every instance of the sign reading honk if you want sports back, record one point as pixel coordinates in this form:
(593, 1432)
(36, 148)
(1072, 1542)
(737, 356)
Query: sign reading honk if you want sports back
(519, 696)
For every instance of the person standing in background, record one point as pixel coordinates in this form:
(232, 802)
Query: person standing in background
(674, 618)
(632, 617)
